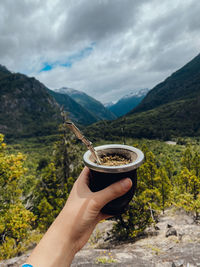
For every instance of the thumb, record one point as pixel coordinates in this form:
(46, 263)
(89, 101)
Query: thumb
(113, 191)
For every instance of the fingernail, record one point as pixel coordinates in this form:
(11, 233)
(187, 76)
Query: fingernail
(126, 183)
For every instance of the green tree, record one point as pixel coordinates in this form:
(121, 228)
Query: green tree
(170, 168)
(15, 220)
(164, 186)
(145, 204)
(186, 159)
(134, 221)
(183, 180)
(196, 163)
(147, 184)
(56, 179)
(188, 183)
(49, 197)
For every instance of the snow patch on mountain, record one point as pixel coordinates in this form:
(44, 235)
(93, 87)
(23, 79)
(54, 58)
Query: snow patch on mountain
(109, 104)
(138, 93)
(69, 91)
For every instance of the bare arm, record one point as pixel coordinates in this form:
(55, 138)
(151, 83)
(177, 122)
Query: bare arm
(72, 228)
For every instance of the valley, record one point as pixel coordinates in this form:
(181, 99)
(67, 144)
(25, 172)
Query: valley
(127, 75)
(44, 159)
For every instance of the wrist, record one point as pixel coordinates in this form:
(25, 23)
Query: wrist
(56, 247)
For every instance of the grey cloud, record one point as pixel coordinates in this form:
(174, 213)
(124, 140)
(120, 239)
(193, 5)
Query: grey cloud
(192, 16)
(179, 22)
(96, 20)
(171, 43)
(137, 43)
(26, 30)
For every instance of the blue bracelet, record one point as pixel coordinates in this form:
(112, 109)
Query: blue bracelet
(27, 265)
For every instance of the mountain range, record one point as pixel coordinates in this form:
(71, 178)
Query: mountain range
(184, 84)
(170, 109)
(93, 106)
(29, 108)
(75, 111)
(127, 102)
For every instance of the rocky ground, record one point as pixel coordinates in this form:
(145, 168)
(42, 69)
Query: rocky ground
(174, 242)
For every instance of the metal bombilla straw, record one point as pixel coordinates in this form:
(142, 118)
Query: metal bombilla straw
(80, 136)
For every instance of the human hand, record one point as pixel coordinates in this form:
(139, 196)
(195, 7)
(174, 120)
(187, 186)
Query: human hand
(84, 206)
(75, 223)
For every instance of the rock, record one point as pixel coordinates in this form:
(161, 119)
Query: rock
(15, 262)
(171, 231)
(178, 263)
(157, 228)
(123, 256)
(162, 264)
(149, 250)
(169, 225)
(171, 143)
(180, 236)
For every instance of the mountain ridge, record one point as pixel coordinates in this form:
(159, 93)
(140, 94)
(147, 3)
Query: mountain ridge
(22, 113)
(28, 107)
(170, 109)
(175, 87)
(93, 106)
(76, 112)
(128, 102)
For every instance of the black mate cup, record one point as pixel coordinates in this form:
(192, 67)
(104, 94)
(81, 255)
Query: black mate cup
(102, 176)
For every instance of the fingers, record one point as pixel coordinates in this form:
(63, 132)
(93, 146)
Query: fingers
(101, 198)
(113, 191)
(84, 176)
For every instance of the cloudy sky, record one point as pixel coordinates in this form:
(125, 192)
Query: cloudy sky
(105, 48)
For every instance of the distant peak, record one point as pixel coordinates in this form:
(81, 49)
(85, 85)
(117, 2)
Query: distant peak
(138, 93)
(109, 104)
(69, 91)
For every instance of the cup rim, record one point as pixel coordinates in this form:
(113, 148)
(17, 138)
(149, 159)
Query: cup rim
(114, 169)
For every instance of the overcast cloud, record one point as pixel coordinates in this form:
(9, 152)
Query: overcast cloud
(105, 48)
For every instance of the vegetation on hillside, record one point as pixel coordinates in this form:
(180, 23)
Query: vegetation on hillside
(16, 222)
(30, 198)
(169, 176)
(76, 112)
(169, 110)
(161, 185)
(26, 108)
(184, 84)
(180, 118)
(92, 105)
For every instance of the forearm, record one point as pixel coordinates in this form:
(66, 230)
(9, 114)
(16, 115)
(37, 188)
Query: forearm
(56, 247)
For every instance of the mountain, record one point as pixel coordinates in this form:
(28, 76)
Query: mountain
(26, 108)
(128, 102)
(29, 108)
(181, 85)
(109, 104)
(93, 106)
(170, 109)
(77, 113)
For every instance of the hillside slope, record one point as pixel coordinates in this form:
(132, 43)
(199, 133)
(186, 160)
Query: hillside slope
(77, 113)
(182, 84)
(26, 108)
(170, 109)
(128, 102)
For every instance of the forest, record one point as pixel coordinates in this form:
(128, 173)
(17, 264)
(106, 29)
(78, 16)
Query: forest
(37, 174)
